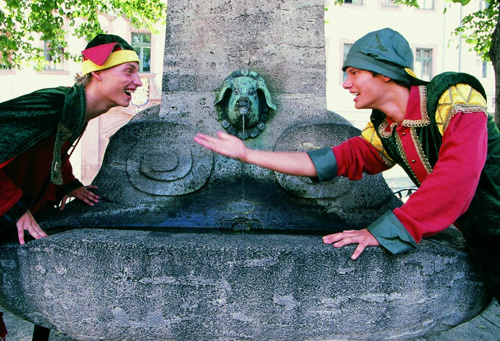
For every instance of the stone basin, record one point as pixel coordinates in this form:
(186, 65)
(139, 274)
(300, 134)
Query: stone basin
(145, 284)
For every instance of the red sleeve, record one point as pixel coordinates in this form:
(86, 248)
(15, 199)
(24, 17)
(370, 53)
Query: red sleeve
(446, 193)
(356, 156)
(10, 194)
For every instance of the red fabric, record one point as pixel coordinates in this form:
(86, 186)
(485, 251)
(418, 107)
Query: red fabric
(447, 192)
(27, 174)
(444, 194)
(3, 329)
(356, 156)
(99, 54)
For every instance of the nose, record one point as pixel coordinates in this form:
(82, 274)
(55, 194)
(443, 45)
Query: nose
(137, 80)
(347, 83)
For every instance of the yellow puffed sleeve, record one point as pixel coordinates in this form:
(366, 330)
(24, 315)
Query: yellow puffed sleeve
(370, 135)
(459, 98)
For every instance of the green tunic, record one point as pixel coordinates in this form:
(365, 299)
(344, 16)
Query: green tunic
(28, 119)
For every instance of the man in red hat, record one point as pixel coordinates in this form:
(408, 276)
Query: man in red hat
(38, 131)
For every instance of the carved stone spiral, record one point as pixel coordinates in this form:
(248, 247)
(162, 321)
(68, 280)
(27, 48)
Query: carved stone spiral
(308, 137)
(169, 164)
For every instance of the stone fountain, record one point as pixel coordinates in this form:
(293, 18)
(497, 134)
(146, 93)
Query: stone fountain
(186, 244)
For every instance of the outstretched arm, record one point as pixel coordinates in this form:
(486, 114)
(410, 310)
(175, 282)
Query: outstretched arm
(293, 163)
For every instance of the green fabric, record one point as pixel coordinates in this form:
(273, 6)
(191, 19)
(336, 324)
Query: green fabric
(385, 52)
(28, 119)
(391, 234)
(480, 225)
(325, 162)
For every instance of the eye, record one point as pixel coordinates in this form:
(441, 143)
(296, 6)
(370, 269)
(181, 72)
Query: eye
(252, 92)
(236, 91)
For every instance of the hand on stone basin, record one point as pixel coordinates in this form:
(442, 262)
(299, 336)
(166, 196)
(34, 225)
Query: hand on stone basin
(83, 193)
(361, 237)
(28, 223)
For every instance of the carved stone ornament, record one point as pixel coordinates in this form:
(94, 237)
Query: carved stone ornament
(244, 102)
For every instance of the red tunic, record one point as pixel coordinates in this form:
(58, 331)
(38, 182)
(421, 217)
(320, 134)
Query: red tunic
(445, 191)
(28, 174)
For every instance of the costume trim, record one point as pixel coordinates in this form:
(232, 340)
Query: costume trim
(459, 98)
(369, 135)
(404, 157)
(424, 120)
(420, 151)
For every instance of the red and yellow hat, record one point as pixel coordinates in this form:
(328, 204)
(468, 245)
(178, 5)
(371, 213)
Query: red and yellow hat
(105, 51)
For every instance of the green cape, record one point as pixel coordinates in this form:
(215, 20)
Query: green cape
(28, 119)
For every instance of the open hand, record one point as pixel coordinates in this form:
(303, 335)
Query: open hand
(361, 237)
(82, 193)
(224, 144)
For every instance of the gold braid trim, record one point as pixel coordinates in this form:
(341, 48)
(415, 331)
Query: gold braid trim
(459, 98)
(403, 154)
(370, 135)
(420, 151)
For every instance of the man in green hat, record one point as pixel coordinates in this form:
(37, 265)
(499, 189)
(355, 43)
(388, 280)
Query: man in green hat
(439, 132)
(38, 131)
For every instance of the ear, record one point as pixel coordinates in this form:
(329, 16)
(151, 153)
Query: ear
(97, 75)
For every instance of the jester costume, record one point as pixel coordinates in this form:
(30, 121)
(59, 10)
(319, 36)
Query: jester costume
(36, 131)
(448, 146)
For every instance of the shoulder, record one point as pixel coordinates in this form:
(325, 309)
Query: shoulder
(450, 93)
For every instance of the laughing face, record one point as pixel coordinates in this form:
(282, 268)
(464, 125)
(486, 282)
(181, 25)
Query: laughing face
(118, 83)
(368, 89)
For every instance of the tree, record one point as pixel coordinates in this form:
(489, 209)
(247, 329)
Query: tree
(481, 30)
(21, 21)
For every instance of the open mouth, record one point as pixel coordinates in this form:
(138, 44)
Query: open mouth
(129, 92)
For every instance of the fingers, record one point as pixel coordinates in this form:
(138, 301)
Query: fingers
(361, 237)
(83, 194)
(340, 239)
(359, 250)
(63, 202)
(89, 197)
(205, 140)
(28, 223)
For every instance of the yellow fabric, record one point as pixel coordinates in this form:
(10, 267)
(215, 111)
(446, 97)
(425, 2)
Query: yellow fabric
(459, 98)
(370, 135)
(115, 58)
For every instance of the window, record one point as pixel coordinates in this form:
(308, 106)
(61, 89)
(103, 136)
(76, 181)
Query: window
(50, 62)
(347, 48)
(423, 64)
(425, 4)
(141, 43)
(388, 3)
(354, 2)
(485, 69)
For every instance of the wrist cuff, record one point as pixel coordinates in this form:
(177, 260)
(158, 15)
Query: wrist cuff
(325, 162)
(391, 234)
